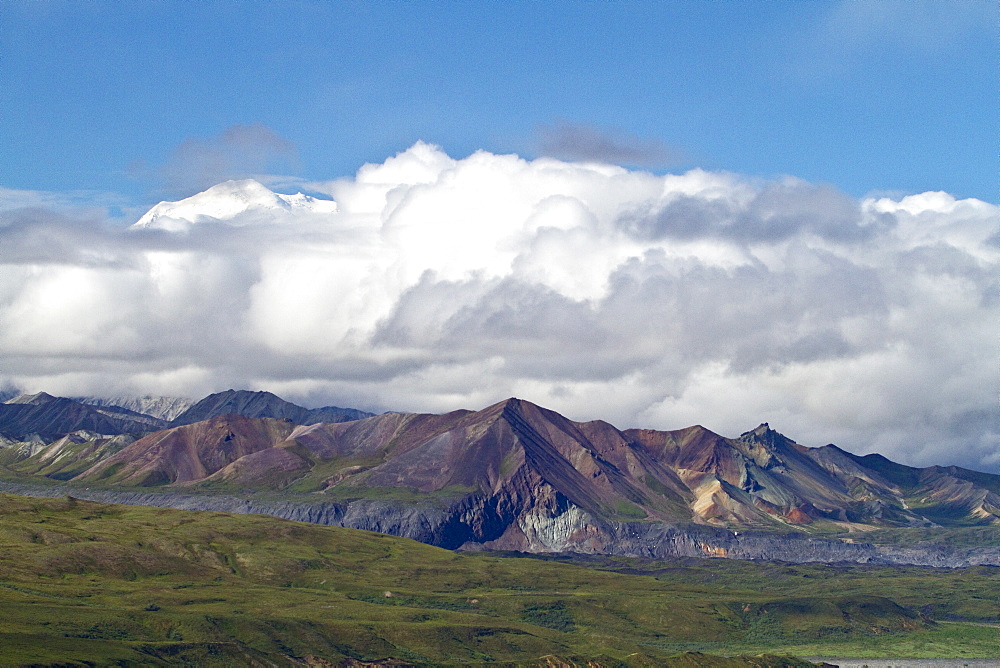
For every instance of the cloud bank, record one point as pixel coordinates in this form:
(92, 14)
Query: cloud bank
(439, 283)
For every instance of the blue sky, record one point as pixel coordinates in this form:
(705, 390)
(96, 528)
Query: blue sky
(723, 212)
(883, 97)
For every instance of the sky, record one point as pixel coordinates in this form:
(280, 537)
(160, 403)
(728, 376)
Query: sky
(658, 214)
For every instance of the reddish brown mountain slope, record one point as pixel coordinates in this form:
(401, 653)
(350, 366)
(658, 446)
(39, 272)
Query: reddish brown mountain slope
(516, 466)
(190, 453)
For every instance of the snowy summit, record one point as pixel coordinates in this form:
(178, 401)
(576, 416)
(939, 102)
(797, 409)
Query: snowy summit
(227, 202)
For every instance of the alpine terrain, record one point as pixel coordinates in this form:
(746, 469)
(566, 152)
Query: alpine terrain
(516, 476)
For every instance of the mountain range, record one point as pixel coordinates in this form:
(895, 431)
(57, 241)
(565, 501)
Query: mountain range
(47, 417)
(512, 476)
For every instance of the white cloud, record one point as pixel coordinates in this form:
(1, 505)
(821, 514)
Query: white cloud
(437, 283)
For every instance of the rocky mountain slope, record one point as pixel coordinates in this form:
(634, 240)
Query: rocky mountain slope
(516, 476)
(193, 453)
(763, 476)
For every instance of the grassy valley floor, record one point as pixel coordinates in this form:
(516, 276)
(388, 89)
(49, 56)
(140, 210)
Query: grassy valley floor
(84, 583)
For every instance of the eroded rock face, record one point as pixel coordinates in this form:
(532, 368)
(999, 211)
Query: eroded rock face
(571, 530)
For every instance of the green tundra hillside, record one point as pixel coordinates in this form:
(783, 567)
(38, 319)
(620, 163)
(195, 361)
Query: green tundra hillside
(82, 582)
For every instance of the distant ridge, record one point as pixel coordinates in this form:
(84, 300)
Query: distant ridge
(164, 408)
(45, 418)
(263, 405)
(51, 417)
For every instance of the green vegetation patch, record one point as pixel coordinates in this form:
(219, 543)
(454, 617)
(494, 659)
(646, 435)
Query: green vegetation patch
(554, 615)
(629, 511)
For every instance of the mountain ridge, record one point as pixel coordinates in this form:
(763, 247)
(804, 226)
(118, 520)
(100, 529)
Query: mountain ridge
(518, 476)
(262, 404)
(164, 408)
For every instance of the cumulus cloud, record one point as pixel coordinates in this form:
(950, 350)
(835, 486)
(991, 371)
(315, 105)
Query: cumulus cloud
(589, 143)
(439, 283)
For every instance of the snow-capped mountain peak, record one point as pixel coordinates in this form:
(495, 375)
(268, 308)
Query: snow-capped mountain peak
(229, 202)
(36, 399)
